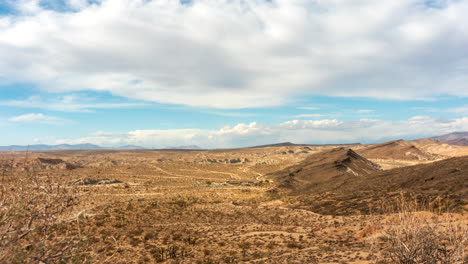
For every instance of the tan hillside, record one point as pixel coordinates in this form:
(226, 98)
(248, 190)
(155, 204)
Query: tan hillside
(440, 148)
(396, 150)
(334, 165)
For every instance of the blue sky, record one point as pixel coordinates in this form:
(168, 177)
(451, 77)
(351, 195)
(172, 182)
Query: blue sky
(231, 73)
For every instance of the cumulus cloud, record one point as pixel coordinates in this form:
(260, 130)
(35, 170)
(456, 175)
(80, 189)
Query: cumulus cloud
(37, 118)
(241, 53)
(298, 131)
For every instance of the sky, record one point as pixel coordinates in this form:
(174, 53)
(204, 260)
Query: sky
(231, 73)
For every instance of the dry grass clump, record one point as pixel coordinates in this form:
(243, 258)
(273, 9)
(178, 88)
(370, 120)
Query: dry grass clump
(413, 235)
(30, 210)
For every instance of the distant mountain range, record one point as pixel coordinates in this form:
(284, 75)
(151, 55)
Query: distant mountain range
(43, 147)
(456, 138)
(282, 144)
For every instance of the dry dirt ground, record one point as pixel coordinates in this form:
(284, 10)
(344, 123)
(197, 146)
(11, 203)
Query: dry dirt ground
(150, 206)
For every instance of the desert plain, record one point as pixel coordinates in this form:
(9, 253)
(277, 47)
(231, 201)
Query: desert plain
(282, 203)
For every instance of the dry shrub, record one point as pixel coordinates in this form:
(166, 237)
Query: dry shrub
(415, 236)
(30, 209)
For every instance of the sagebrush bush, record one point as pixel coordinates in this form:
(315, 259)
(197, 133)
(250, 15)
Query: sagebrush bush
(415, 236)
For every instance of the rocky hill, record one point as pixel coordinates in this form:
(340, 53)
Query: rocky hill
(334, 166)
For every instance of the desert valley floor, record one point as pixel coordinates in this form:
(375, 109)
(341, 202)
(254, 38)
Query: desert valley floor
(277, 204)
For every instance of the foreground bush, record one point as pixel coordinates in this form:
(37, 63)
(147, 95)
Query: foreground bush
(414, 236)
(31, 211)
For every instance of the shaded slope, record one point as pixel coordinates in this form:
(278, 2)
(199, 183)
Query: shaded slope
(450, 175)
(446, 179)
(334, 166)
(396, 150)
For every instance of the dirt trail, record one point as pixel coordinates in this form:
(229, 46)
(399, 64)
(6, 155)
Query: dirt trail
(231, 174)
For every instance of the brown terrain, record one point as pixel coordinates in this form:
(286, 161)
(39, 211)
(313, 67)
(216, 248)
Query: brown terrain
(440, 148)
(274, 204)
(396, 150)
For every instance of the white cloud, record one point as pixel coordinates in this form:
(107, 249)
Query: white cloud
(298, 131)
(234, 54)
(426, 109)
(308, 108)
(312, 124)
(67, 103)
(27, 7)
(365, 111)
(459, 110)
(229, 114)
(37, 118)
(308, 115)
